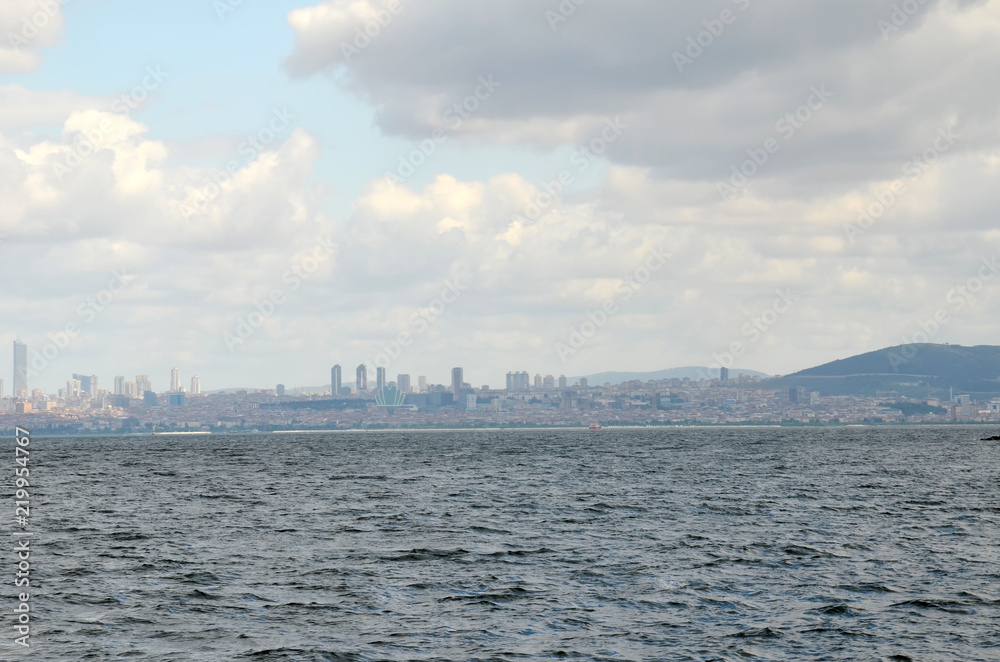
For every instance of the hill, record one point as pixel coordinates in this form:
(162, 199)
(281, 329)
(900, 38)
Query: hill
(915, 370)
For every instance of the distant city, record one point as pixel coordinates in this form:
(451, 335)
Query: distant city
(132, 405)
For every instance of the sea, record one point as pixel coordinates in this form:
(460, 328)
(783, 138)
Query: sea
(753, 543)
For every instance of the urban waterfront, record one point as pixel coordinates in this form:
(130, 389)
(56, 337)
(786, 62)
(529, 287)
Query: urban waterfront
(686, 544)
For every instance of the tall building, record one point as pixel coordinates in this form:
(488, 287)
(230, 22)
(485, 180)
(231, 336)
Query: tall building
(74, 389)
(175, 380)
(361, 378)
(724, 374)
(131, 390)
(538, 382)
(549, 383)
(20, 370)
(380, 380)
(196, 385)
(280, 390)
(563, 382)
(457, 380)
(142, 384)
(518, 381)
(88, 384)
(584, 383)
(120, 385)
(1, 389)
(336, 378)
(422, 384)
(403, 383)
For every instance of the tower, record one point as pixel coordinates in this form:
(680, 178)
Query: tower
(196, 385)
(175, 380)
(361, 378)
(403, 383)
(380, 380)
(20, 370)
(457, 379)
(336, 378)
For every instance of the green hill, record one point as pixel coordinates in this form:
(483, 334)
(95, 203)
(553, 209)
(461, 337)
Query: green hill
(915, 370)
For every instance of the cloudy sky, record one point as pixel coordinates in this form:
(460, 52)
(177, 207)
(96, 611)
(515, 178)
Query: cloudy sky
(253, 191)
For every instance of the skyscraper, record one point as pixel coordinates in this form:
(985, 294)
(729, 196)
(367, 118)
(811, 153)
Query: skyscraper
(538, 382)
(563, 382)
(142, 384)
(518, 381)
(380, 380)
(88, 384)
(724, 374)
(361, 378)
(549, 382)
(175, 380)
(335, 380)
(422, 384)
(196, 385)
(457, 379)
(403, 383)
(120, 385)
(20, 370)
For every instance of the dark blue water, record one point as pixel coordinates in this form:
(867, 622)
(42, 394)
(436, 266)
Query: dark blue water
(698, 544)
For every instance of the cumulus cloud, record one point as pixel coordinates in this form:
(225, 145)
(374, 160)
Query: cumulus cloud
(27, 26)
(696, 101)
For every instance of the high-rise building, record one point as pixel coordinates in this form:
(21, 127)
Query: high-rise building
(280, 390)
(518, 381)
(73, 389)
(457, 380)
(20, 370)
(88, 385)
(336, 378)
(131, 390)
(142, 384)
(175, 380)
(361, 378)
(584, 383)
(120, 385)
(1, 389)
(422, 384)
(563, 382)
(196, 385)
(380, 379)
(403, 383)
(724, 374)
(538, 382)
(549, 383)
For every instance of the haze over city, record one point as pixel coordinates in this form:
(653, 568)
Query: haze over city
(253, 192)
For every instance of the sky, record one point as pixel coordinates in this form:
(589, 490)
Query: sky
(255, 191)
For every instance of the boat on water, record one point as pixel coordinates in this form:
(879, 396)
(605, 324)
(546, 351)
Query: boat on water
(595, 426)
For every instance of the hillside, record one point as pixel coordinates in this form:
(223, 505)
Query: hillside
(917, 370)
(692, 372)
